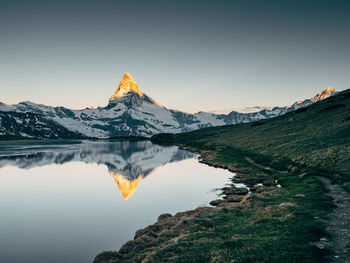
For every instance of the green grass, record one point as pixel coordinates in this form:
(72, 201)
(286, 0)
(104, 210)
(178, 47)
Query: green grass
(259, 231)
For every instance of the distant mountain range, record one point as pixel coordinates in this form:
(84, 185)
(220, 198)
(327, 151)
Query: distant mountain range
(129, 112)
(248, 109)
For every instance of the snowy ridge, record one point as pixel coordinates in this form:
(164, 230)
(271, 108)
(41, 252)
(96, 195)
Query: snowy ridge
(129, 112)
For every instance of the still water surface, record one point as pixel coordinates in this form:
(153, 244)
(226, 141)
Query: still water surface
(68, 201)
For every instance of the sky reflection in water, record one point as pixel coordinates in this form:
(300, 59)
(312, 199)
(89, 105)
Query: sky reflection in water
(67, 202)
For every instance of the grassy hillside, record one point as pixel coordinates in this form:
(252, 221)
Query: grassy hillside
(314, 137)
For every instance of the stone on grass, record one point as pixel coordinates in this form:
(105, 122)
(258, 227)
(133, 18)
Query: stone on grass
(217, 202)
(234, 198)
(286, 204)
(235, 191)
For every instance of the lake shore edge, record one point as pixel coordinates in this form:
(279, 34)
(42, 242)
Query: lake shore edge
(262, 218)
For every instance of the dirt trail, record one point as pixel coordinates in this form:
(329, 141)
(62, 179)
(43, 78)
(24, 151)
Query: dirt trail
(263, 167)
(338, 224)
(338, 221)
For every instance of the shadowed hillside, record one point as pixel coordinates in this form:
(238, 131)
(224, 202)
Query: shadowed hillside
(317, 136)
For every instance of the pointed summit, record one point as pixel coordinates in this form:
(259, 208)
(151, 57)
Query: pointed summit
(330, 91)
(128, 84)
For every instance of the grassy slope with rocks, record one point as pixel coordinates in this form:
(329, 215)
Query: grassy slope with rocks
(270, 224)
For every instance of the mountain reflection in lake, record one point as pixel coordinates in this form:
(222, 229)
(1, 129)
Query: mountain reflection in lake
(127, 162)
(58, 205)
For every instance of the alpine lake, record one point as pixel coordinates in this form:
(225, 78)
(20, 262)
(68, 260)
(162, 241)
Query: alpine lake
(67, 201)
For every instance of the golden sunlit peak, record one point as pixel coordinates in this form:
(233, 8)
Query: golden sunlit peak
(330, 91)
(126, 85)
(126, 187)
(127, 76)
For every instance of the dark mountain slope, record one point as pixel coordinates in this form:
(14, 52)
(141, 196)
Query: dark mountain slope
(19, 125)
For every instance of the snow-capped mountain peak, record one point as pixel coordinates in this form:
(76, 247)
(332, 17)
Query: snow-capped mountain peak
(126, 85)
(330, 91)
(129, 112)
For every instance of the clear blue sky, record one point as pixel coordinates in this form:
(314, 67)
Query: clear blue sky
(188, 55)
